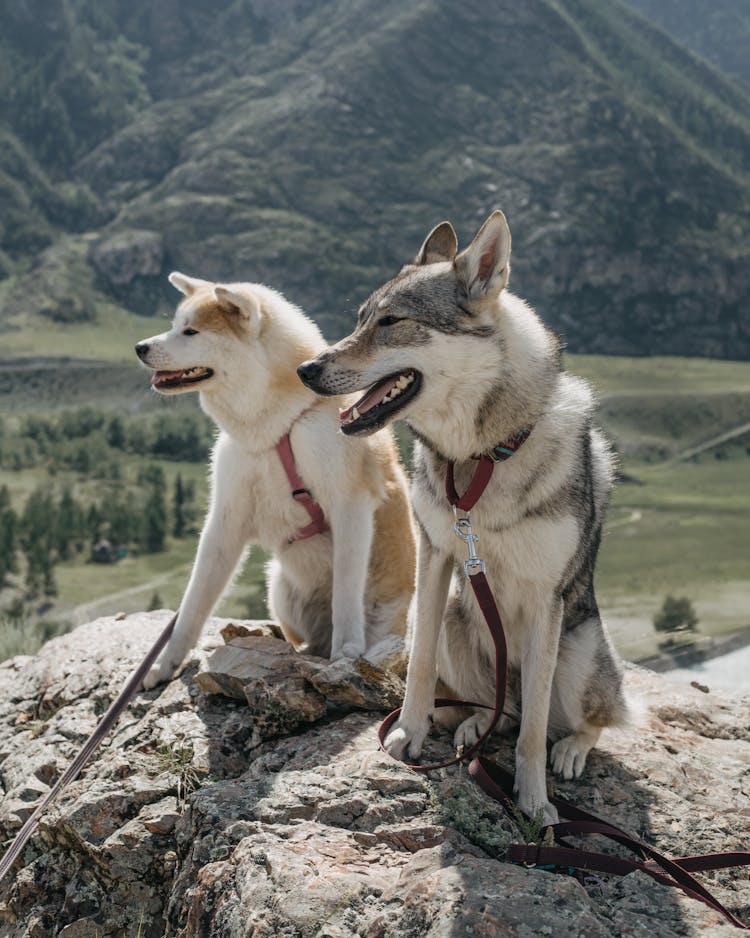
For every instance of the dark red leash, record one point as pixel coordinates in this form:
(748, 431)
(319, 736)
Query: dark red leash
(487, 603)
(483, 593)
(676, 871)
(498, 783)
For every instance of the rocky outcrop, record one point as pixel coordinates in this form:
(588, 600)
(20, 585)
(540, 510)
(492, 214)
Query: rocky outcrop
(126, 255)
(248, 798)
(129, 264)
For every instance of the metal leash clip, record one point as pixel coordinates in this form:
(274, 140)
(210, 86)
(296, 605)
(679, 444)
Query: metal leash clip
(462, 527)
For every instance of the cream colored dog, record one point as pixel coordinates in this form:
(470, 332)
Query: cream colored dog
(335, 593)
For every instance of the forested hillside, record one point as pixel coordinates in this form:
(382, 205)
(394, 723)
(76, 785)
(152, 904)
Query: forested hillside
(311, 145)
(718, 30)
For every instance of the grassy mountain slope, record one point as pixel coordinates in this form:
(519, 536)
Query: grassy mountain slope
(312, 146)
(718, 30)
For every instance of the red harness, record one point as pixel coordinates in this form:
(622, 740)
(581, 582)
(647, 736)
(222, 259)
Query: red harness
(300, 493)
(498, 783)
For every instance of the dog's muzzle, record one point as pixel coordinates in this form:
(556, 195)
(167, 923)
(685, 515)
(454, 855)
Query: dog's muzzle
(141, 350)
(309, 373)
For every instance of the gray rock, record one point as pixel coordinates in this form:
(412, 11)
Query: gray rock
(267, 809)
(123, 256)
(129, 263)
(267, 672)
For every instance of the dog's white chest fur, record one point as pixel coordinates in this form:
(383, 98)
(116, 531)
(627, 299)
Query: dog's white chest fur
(261, 493)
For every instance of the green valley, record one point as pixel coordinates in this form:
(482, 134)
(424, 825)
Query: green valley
(676, 525)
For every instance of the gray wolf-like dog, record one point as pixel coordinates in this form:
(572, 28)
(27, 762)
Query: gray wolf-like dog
(468, 365)
(336, 593)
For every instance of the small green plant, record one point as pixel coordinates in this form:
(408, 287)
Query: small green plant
(178, 760)
(676, 615)
(533, 829)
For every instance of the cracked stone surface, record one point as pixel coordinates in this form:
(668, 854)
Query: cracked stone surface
(248, 797)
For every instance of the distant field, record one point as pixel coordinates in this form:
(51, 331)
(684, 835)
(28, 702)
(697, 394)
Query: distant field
(650, 376)
(683, 531)
(42, 385)
(112, 339)
(674, 527)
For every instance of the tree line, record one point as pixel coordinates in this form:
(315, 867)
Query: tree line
(55, 526)
(91, 441)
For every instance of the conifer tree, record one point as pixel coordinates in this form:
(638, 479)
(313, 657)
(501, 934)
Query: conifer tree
(156, 511)
(178, 504)
(8, 536)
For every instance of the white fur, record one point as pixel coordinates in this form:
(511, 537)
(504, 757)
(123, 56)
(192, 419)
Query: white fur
(255, 398)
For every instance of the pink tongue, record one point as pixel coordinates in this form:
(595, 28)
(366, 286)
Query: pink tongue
(369, 400)
(165, 375)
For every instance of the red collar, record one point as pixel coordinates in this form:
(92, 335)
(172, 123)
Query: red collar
(483, 472)
(300, 493)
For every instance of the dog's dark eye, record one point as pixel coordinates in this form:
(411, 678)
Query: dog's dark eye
(390, 320)
(190, 332)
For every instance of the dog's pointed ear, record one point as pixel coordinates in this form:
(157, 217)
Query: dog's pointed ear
(238, 302)
(186, 285)
(440, 244)
(483, 267)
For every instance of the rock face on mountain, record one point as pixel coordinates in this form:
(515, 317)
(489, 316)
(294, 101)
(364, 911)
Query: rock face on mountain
(312, 146)
(268, 810)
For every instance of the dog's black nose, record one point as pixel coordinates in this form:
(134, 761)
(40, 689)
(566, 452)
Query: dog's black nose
(141, 349)
(310, 371)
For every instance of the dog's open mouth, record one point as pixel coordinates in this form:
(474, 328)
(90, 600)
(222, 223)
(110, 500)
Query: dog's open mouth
(381, 402)
(171, 380)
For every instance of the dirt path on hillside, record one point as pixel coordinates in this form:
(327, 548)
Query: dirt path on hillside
(725, 437)
(87, 611)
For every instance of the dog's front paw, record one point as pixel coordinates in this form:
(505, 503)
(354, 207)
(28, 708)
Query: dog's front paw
(162, 670)
(568, 756)
(531, 792)
(472, 729)
(350, 648)
(407, 736)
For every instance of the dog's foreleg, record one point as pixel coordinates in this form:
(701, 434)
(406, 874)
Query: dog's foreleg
(219, 551)
(353, 524)
(433, 581)
(543, 620)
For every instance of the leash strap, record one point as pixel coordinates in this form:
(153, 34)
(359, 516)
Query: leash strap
(300, 493)
(487, 604)
(676, 871)
(486, 601)
(482, 475)
(498, 783)
(106, 723)
(483, 594)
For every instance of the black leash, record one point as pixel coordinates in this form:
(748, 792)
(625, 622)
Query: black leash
(106, 723)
